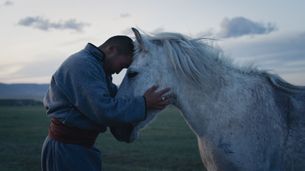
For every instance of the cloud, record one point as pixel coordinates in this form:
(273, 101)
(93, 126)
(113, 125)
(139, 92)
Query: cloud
(125, 15)
(8, 69)
(45, 24)
(39, 70)
(280, 53)
(8, 3)
(240, 26)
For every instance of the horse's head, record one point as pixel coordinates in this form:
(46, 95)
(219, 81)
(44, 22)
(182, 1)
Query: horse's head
(149, 67)
(170, 60)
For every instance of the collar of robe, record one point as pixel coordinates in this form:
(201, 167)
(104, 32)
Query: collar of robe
(95, 52)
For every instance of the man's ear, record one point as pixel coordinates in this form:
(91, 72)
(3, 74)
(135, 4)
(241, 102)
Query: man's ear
(112, 50)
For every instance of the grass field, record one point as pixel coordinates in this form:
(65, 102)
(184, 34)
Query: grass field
(166, 144)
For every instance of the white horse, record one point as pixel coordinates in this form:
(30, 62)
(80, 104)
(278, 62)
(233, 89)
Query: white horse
(244, 119)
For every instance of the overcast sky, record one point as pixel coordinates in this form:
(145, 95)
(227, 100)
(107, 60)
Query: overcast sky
(38, 35)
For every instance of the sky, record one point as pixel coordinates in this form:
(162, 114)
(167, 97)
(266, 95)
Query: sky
(38, 35)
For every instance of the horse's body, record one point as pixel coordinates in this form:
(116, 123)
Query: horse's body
(244, 119)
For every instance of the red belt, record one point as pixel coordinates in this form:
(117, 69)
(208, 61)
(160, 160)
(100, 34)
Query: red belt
(71, 135)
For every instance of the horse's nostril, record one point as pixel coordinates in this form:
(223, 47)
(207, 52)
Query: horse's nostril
(132, 74)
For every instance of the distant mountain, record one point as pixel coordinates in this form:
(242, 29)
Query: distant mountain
(23, 91)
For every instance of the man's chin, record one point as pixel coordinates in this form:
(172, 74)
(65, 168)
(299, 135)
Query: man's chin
(117, 72)
(113, 72)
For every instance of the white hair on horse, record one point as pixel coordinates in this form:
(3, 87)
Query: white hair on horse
(244, 118)
(193, 58)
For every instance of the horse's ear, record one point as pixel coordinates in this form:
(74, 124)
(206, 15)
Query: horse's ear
(138, 38)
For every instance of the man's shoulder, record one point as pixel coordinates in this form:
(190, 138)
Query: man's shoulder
(79, 57)
(80, 61)
(79, 65)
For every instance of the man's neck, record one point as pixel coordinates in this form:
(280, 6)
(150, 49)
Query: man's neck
(106, 69)
(105, 66)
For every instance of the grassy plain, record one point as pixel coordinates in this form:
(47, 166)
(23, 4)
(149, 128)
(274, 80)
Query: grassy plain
(166, 144)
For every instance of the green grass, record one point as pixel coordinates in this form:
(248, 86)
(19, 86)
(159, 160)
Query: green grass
(166, 144)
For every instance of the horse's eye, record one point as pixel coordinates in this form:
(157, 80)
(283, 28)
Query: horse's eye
(132, 74)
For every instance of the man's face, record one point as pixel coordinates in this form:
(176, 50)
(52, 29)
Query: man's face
(117, 62)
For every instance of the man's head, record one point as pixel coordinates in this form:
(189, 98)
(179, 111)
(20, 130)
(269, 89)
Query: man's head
(118, 53)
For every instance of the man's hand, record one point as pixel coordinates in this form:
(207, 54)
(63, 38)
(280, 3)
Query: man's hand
(156, 99)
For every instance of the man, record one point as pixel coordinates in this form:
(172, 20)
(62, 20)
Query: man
(81, 103)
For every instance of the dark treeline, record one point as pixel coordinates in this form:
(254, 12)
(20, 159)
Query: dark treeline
(19, 102)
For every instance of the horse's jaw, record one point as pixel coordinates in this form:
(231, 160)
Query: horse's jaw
(135, 134)
(151, 116)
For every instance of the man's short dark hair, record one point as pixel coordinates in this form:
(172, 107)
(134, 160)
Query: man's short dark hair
(124, 44)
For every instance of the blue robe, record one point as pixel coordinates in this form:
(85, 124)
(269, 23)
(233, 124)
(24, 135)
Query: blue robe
(82, 95)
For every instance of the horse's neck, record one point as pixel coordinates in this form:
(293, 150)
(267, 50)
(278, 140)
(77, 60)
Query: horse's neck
(205, 106)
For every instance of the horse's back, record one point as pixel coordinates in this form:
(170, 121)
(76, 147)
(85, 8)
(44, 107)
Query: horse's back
(290, 99)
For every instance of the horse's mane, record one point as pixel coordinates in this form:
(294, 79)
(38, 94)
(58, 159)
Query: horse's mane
(196, 58)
